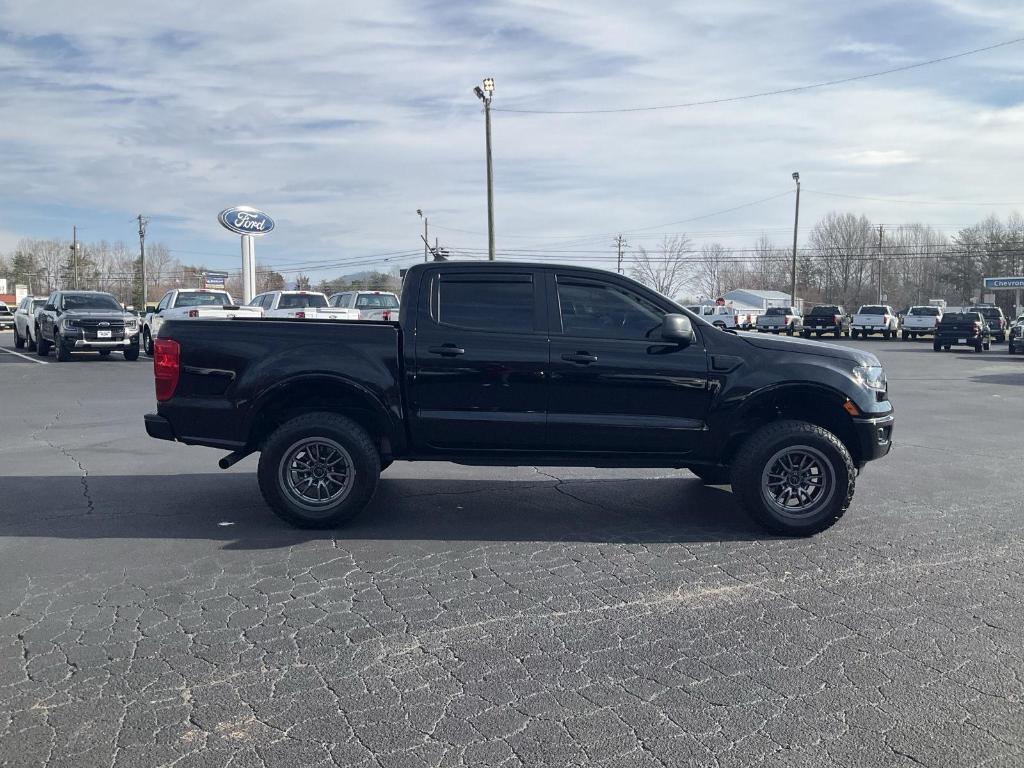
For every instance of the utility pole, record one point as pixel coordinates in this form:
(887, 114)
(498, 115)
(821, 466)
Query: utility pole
(142, 256)
(74, 252)
(485, 95)
(620, 243)
(880, 226)
(426, 235)
(796, 224)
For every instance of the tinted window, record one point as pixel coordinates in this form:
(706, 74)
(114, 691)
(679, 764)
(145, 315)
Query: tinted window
(341, 300)
(89, 301)
(487, 304)
(961, 317)
(826, 311)
(926, 311)
(777, 311)
(376, 301)
(301, 300)
(990, 312)
(602, 310)
(257, 301)
(873, 311)
(203, 300)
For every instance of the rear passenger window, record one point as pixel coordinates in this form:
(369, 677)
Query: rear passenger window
(490, 303)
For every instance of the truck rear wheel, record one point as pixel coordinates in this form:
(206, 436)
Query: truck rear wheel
(318, 470)
(42, 345)
(794, 478)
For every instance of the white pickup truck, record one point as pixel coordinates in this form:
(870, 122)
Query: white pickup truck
(875, 318)
(191, 303)
(776, 319)
(921, 321)
(371, 305)
(303, 305)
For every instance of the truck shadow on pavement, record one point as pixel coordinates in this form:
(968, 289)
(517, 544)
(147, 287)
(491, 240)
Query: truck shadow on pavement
(228, 507)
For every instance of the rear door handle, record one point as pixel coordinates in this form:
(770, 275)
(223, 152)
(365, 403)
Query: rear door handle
(446, 350)
(583, 358)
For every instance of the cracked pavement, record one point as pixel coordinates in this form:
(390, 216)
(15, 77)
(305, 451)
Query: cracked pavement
(153, 611)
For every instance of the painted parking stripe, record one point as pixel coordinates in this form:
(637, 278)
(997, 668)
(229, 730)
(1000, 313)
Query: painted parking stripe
(30, 359)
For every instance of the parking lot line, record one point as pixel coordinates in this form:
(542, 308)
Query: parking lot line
(30, 359)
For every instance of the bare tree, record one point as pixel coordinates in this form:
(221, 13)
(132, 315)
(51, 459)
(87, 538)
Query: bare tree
(712, 267)
(667, 269)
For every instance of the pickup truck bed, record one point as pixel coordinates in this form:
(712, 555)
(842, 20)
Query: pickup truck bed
(607, 374)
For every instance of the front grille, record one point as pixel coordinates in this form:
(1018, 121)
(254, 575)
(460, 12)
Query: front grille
(91, 328)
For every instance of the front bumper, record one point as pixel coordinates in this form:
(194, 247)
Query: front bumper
(159, 427)
(98, 344)
(874, 436)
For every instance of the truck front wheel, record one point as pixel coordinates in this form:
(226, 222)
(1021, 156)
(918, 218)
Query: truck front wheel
(318, 470)
(794, 478)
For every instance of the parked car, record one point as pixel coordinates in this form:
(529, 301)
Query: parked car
(302, 305)
(6, 317)
(1015, 341)
(191, 303)
(524, 364)
(726, 315)
(962, 329)
(778, 319)
(86, 321)
(875, 318)
(995, 319)
(826, 318)
(25, 321)
(371, 305)
(921, 321)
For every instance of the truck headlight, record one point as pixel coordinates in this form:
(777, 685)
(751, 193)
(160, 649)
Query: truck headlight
(870, 376)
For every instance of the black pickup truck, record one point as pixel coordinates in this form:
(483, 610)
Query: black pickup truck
(962, 329)
(826, 318)
(522, 364)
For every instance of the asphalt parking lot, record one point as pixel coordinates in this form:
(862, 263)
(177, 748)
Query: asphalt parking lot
(154, 612)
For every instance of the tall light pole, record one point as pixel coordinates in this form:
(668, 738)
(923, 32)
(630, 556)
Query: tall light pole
(142, 256)
(796, 224)
(74, 252)
(426, 235)
(485, 95)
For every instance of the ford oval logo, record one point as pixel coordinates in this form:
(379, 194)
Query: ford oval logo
(245, 220)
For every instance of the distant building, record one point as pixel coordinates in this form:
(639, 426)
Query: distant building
(759, 299)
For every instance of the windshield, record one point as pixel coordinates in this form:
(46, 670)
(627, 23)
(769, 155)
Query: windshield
(777, 311)
(212, 299)
(302, 300)
(873, 311)
(37, 303)
(928, 311)
(826, 310)
(989, 312)
(376, 301)
(4, 309)
(961, 317)
(72, 301)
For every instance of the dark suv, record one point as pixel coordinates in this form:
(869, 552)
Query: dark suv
(86, 321)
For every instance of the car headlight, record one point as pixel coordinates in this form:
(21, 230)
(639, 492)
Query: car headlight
(129, 324)
(70, 323)
(870, 376)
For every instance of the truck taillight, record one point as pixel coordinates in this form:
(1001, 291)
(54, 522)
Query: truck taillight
(193, 313)
(387, 314)
(977, 327)
(166, 367)
(300, 315)
(837, 319)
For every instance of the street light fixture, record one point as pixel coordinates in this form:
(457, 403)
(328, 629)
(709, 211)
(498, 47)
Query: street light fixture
(485, 95)
(796, 222)
(426, 235)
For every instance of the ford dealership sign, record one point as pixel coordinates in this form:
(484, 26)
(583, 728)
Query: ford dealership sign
(245, 220)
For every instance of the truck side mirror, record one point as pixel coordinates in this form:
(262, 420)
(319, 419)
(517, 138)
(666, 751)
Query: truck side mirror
(677, 328)
(151, 307)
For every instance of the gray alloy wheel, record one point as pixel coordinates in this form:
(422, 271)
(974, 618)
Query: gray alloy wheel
(147, 342)
(316, 473)
(798, 481)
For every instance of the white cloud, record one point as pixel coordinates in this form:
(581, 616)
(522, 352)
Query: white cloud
(342, 119)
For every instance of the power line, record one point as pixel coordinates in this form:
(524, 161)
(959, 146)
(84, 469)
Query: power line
(762, 94)
(911, 202)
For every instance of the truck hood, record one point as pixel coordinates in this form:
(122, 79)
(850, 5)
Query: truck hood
(808, 347)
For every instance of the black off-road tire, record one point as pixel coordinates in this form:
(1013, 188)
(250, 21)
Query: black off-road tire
(805, 334)
(147, 342)
(104, 352)
(946, 347)
(132, 353)
(905, 335)
(789, 331)
(19, 342)
(42, 345)
(711, 475)
(988, 346)
(979, 347)
(936, 346)
(63, 353)
(759, 449)
(349, 435)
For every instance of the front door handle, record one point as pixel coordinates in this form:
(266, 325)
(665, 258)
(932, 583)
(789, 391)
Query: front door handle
(446, 350)
(583, 358)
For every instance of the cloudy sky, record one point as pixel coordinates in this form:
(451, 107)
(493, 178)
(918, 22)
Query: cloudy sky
(340, 119)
